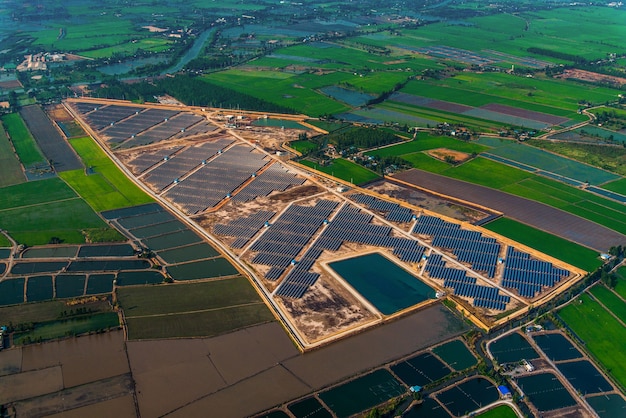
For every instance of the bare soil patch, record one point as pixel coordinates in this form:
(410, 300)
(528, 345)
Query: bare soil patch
(124, 406)
(83, 359)
(427, 201)
(449, 155)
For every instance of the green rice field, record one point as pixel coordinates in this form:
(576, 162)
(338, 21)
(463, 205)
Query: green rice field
(24, 143)
(562, 249)
(73, 326)
(602, 333)
(107, 188)
(501, 411)
(344, 170)
(46, 311)
(10, 168)
(610, 300)
(36, 211)
(192, 309)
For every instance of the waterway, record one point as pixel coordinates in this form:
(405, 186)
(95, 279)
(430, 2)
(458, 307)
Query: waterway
(191, 53)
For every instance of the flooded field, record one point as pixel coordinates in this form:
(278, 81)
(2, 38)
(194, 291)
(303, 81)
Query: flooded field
(215, 267)
(309, 408)
(585, 377)
(362, 393)
(512, 348)
(545, 391)
(557, 347)
(128, 278)
(189, 253)
(421, 370)
(89, 374)
(456, 354)
(469, 396)
(608, 406)
(430, 408)
(389, 292)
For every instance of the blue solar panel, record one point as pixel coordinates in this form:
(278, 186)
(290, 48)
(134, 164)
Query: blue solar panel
(529, 277)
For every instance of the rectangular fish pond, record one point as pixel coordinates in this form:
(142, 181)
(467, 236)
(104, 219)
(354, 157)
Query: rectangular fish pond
(383, 283)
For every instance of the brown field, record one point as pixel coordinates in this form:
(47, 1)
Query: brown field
(254, 369)
(123, 406)
(538, 215)
(427, 201)
(593, 77)
(443, 153)
(50, 378)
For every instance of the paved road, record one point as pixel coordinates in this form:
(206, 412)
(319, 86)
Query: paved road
(538, 215)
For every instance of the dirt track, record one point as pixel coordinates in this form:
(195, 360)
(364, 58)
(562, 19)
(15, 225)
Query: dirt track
(535, 214)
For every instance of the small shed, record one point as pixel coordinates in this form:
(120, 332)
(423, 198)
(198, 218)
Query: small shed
(504, 391)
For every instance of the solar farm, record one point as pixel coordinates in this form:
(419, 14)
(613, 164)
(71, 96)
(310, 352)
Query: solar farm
(284, 227)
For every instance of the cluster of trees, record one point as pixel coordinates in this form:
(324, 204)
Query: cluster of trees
(557, 54)
(189, 90)
(360, 137)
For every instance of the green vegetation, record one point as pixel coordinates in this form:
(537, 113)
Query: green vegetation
(4, 241)
(425, 142)
(611, 158)
(610, 300)
(562, 249)
(47, 311)
(345, 170)
(602, 333)
(194, 309)
(303, 146)
(10, 169)
(107, 188)
(35, 212)
(502, 411)
(24, 143)
(620, 287)
(63, 328)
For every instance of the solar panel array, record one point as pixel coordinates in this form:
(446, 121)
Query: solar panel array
(164, 130)
(393, 211)
(135, 124)
(464, 285)
(197, 129)
(146, 160)
(275, 177)
(244, 228)
(349, 225)
(289, 234)
(103, 116)
(468, 246)
(528, 276)
(183, 162)
(216, 180)
(83, 108)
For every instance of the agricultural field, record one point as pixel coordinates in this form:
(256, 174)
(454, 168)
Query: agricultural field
(501, 411)
(540, 159)
(66, 327)
(10, 168)
(609, 158)
(518, 182)
(24, 143)
(106, 187)
(572, 253)
(35, 212)
(503, 39)
(601, 332)
(610, 300)
(345, 170)
(194, 309)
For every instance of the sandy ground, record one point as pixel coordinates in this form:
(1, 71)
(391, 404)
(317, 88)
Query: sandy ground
(426, 201)
(442, 153)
